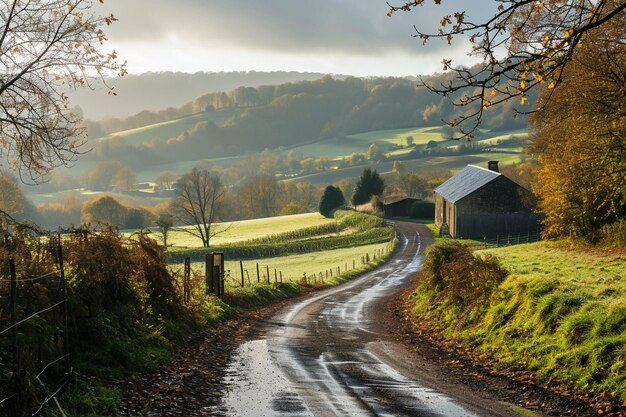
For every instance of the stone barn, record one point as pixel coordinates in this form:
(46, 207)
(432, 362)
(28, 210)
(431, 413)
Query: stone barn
(398, 206)
(479, 202)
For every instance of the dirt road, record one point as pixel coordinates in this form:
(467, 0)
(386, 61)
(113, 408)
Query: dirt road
(331, 355)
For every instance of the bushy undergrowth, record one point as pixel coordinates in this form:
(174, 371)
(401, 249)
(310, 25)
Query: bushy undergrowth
(560, 314)
(614, 234)
(126, 314)
(455, 280)
(121, 299)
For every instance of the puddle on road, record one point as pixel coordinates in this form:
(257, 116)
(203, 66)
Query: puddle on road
(256, 387)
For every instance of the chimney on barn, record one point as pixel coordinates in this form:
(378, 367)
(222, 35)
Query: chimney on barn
(493, 166)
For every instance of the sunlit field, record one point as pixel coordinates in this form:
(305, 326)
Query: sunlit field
(232, 232)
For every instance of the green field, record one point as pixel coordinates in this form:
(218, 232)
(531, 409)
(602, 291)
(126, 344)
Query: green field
(172, 128)
(250, 229)
(393, 142)
(279, 230)
(453, 163)
(421, 136)
(561, 313)
(385, 139)
(293, 267)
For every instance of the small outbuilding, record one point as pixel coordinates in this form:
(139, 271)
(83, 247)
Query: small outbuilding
(398, 206)
(479, 202)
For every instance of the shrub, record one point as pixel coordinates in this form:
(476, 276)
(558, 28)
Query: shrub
(614, 234)
(331, 200)
(455, 277)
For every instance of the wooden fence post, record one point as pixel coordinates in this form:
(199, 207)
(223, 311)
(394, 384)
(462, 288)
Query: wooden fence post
(267, 268)
(208, 274)
(281, 277)
(218, 281)
(258, 276)
(275, 276)
(353, 262)
(187, 281)
(243, 282)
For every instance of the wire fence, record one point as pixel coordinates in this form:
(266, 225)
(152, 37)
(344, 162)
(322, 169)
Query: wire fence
(35, 360)
(254, 273)
(503, 240)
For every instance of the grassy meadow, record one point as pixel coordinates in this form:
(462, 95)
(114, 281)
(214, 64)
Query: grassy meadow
(343, 241)
(560, 313)
(171, 128)
(232, 232)
(293, 267)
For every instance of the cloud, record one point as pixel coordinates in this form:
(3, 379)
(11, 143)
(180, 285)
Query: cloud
(359, 27)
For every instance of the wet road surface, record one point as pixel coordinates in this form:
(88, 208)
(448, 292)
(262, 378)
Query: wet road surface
(329, 356)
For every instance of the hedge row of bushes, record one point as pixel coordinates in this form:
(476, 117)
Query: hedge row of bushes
(243, 252)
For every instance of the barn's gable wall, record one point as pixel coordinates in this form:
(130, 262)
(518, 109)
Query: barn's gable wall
(499, 207)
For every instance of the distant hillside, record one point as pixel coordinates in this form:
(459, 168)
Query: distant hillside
(286, 115)
(159, 90)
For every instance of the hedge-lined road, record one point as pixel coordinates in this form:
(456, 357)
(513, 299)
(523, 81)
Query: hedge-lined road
(329, 356)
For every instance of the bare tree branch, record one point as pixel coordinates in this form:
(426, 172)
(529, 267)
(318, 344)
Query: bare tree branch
(538, 39)
(46, 48)
(197, 203)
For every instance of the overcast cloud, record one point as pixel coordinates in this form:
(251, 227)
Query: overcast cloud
(337, 36)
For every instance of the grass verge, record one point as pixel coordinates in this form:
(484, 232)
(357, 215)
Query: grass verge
(560, 314)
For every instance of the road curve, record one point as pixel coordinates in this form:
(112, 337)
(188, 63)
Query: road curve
(329, 355)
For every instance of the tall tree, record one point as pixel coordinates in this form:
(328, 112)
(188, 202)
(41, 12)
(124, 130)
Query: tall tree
(165, 223)
(104, 210)
(331, 199)
(581, 138)
(46, 46)
(369, 184)
(166, 179)
(262, 195)
(12, 199)
(413, 184)
(538, 37)
(197, 203)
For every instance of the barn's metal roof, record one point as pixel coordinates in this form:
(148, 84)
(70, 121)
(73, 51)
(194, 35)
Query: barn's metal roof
(465, 182)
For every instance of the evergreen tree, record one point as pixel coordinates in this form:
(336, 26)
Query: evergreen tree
(369, 184)
(331, 199)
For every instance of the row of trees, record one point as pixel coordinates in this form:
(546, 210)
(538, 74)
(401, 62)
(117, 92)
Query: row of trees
(369, 185)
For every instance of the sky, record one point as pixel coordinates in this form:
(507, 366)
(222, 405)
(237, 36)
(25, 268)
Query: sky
(351, 37)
